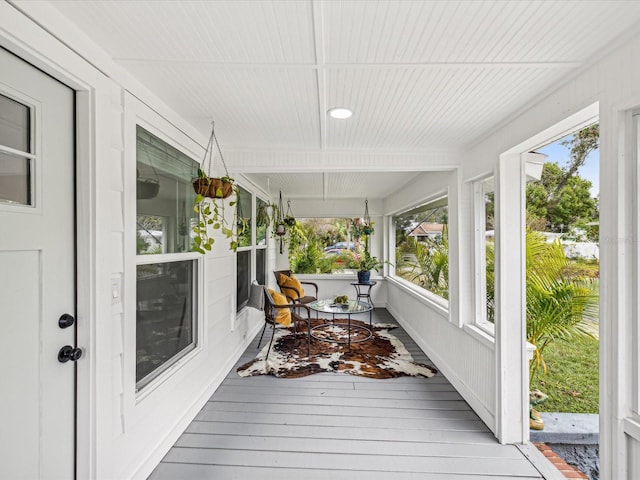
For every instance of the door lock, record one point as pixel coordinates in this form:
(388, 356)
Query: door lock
(67, 353)
(66, 320)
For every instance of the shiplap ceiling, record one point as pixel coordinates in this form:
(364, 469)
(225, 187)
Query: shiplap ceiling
(425, 79)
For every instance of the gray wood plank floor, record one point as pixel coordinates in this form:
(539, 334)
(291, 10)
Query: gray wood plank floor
(339, 426)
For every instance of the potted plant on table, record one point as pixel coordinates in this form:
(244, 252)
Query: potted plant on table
(366, 264)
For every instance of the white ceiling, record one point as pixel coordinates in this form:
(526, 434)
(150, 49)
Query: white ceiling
(422, 77)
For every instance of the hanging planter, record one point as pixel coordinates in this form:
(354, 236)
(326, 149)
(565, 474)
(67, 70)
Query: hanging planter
(209, 204)
(367, 224)
(289, 219)
(213, 187)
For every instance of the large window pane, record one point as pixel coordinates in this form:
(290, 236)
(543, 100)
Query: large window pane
(165, 316)
(164, 196)
(422, 247)
(15, 179)
(326, 245)
(244, 277)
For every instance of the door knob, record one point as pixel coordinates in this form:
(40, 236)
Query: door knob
(66, 320)
(67, 353)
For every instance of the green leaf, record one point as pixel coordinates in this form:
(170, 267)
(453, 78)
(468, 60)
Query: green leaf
(233, 246)
(207, 247)
(209, 222)
(198, 240)
(216, 226)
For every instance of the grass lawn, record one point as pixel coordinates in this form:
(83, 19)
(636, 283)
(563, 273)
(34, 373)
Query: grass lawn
(571, 380)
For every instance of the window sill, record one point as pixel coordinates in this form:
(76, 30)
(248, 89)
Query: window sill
(435, 302)
(481, 335)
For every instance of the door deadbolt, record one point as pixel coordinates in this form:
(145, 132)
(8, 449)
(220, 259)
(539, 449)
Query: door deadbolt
(67, 353)
(66, 320)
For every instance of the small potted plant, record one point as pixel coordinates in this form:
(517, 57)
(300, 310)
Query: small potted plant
(366, 264)
(367, 228)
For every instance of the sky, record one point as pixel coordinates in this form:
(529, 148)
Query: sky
(589, 171)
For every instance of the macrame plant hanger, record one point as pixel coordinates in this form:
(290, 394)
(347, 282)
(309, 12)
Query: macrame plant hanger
(289, 212)
(207, 185)
(210, 150)
(280, 230)
(367, 218)
(367, 224)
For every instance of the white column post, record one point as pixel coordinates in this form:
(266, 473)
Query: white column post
(511, 363)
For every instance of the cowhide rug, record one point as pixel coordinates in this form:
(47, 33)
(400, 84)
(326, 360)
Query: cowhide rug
(382, 356)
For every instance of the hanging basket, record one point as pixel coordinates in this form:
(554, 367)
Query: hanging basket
(220, 188)
(212, 187)
(201, 186)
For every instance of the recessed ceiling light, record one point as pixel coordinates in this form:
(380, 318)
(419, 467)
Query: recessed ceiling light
(340, 113)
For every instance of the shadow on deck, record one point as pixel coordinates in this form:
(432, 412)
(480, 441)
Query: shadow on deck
(338, 426)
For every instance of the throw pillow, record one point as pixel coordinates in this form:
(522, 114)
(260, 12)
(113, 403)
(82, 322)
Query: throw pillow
(291, 286)
(284, 314)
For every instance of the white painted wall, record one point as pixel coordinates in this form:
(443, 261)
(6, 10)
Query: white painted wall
(434, 326)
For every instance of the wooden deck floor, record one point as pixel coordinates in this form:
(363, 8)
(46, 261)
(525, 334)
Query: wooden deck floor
(339, 426)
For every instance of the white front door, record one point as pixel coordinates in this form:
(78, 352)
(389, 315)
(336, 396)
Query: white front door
(37, 273)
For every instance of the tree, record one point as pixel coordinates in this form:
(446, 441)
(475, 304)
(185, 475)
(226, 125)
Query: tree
(563, 201)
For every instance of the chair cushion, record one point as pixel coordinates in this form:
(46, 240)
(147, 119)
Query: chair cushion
(284, 314)
(290, 286)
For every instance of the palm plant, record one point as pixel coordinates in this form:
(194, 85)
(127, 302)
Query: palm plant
(428, 264)
(558, 307)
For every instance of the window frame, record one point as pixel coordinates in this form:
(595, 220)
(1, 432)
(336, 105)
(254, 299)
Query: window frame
(480, 253)
(252, 248)
(34, 156)
(195, 297)
(146, 386)
(430, 296)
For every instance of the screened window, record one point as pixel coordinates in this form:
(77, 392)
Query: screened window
(327, 245)
(484, 206)
(422, 246)
(166, 284)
